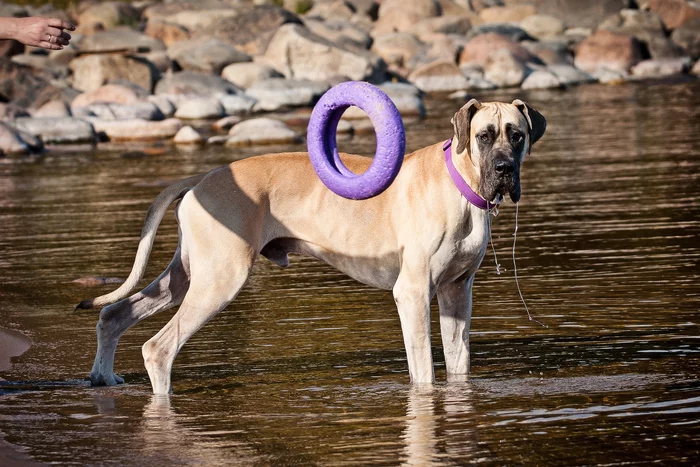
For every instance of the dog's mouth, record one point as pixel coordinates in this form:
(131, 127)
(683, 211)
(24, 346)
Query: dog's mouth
(495, 188)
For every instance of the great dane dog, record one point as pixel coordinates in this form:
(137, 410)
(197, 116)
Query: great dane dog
(418, 238)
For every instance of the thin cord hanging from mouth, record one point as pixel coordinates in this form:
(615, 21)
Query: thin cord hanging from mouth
(495, 258)
(515, 270)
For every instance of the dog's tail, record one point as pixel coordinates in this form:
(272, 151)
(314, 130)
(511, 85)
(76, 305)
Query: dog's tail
(155, 215)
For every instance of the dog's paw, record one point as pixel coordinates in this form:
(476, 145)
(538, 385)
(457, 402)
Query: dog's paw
(105, 380)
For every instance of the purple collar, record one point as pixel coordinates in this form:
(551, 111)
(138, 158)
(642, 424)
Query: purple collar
(461, 184)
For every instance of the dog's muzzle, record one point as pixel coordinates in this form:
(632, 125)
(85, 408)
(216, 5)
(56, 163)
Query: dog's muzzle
(501, 176)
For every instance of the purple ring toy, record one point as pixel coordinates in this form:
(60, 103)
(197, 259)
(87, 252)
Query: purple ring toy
(323, 149)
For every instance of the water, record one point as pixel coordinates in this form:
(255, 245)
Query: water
(307, 367)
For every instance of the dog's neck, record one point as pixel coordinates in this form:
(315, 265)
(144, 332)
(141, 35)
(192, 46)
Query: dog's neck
(465, 166)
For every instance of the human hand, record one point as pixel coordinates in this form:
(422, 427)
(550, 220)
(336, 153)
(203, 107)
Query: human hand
(47, 33)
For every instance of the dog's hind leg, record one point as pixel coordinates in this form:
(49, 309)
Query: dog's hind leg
(166, 291)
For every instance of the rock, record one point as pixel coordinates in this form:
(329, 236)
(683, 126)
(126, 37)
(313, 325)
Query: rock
(252, 30)
(332, 9)
(406, 97)
(92, 71)
(55, 108)
(107, 15)
(441, 76)
(647, 27)
(276, 93)
(340, 32)
(217, 139)
(108, 111)
(608, 76)
(587, 14)
(167, 33)
(119, 39)
(550, 52)
(442, 24)
(605, 49)
(198, 20)
(34, 61)
(655, 68)
(11, 141)
(137, 129)
(166, 107)
(569, 75)
(688, 37)
(541, 79)
(506, 14)
(675, 13)
(10, 47)
(205, 54)
(397, 48)
(111, 93)
(542, 26)
(237, 104)
(21, 86)
(11, 111)
(510, 31)
(246, 74)
(505, 69)
(188, 135)
(261, 131)
(297, 53)
(185, 83)
(226, 123)
(399, 15)
(479, 50)
(200, 108)
(696, 68)
(476, 81)
(65, 130)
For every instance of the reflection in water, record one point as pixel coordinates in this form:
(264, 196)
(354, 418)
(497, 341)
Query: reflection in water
(12, 344)
(307, 367)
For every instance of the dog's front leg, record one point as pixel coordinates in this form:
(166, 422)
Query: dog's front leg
(412, 295)
(455, 301)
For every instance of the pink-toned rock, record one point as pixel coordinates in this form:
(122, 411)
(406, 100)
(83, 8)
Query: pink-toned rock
(440, 76)
(55, 108)
(481, 47)
(169, 33)
(608, 50)
(397, 48)
(92, 71)
(675, 13)
(400, 15)
(137, 129)
(506, 14)
(188, 136)
(505, 69)
(109, 93)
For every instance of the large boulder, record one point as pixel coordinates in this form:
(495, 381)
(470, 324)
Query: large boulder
(187, 83)
(109, 111)
(339, 31)
(200, 108)
(647, 27)
(206, 54)
(252, 30)
(195, 18)
(541, 79)
(137, 129)
(397, 48)
(20, 85)
(110, 93)
(237, 104)
(440, 76)
(505, 69)
(297, 53)
(168, 33)
(276, 93)
(582, 13)
(675, 13)
(542, 26)
(118, 39)
(400, 15)
(479, 49)
(688, 37)
(90, 72)
(246, 74)
(656, 68)
(105, 15)
(261, 131)
(608, 50)
(52, 130)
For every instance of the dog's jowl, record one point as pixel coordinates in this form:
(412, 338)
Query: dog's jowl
(424, 236)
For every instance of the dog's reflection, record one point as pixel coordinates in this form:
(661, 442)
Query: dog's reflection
(427, 437)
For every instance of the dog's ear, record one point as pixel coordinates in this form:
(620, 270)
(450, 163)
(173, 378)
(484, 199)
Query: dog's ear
(535, 120)
(462, 123)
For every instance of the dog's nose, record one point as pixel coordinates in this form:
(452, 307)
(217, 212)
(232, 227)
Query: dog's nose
(504, 167)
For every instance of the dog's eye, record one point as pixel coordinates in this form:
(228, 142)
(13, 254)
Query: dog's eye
(483, 137)
(516, 138)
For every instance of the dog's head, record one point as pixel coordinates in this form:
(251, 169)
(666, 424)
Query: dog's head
(494, 138)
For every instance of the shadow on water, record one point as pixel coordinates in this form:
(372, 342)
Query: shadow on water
(307, 367)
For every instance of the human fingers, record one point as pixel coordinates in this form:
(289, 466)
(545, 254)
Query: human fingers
(50, 45)
(59, 23)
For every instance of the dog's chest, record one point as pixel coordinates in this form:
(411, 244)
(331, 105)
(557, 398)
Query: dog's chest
(468, 249)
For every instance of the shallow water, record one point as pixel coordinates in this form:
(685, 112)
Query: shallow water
(307, 366)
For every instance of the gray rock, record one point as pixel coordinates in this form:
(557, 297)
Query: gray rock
(339, 31)
(542, 26)
(205, 54)
(397, 48)
(188, 135)
(11, 141)
(459, 25)
(504, 69)
(587, 14)
(541, 79)
(186, 83)
(406, 97)
(217, 139)
(261, 131)
(166, 107)
(92, 71)
(550, 52)
(200, 108)
(569, 75)
(441, 76)
(246, 74)
(276, 93)
(118, 39)
(299, 54)
(646, 26)
(655, 68)
(55, 108)
(237, 104)
(226, 123)
(511, 31)
(610, 76)
(137, 129)
(109, 111)
(687, 36)
(65, 130)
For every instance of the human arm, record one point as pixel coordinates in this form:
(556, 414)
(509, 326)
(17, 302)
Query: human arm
(47, 33)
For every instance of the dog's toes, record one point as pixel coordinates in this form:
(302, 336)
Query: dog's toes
(102, 380)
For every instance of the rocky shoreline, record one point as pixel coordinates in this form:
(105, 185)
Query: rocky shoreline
(164, 71)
